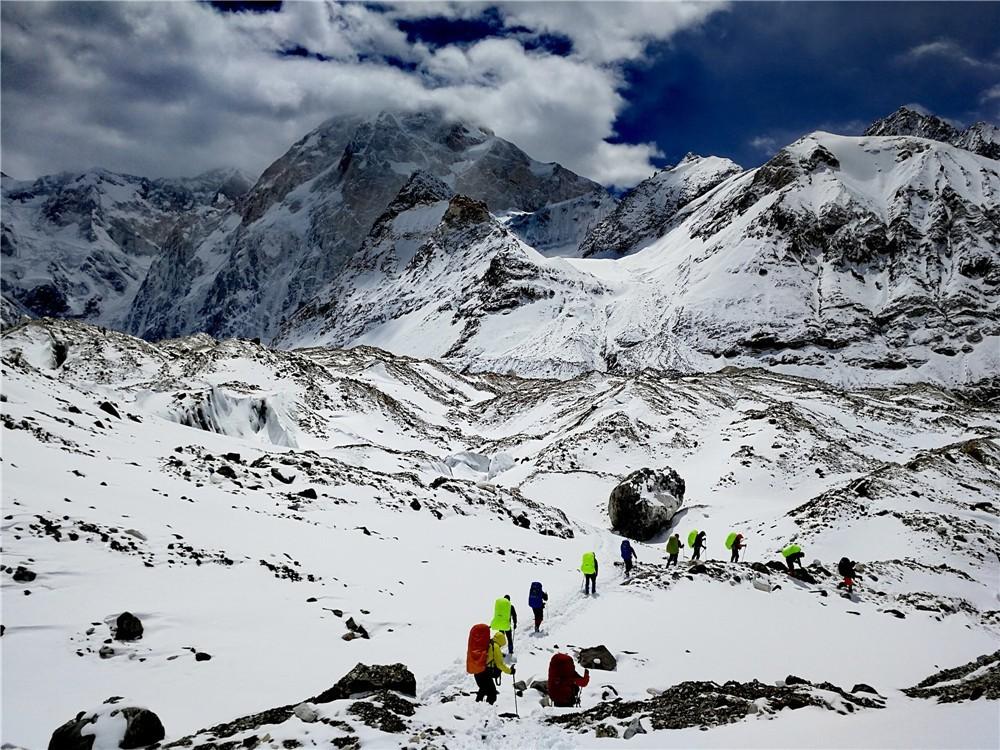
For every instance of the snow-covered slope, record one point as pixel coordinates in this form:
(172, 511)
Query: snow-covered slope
(301, 223)
(79, 245)
(245, 503)
(647, 212)
(873, 259)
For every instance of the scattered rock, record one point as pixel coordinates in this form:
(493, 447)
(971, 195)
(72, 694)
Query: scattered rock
(645, 502)
(308, 493)
(142, 728)
(634, 728)
(306, 712)
(106, 652)
(597, 657)
(971, 681)
(128, 627)
(23, 575)
(281, 477)
(605, 730)
(542, 686)
(863, 688)
(227, 471)
(109, 408)
(202, 656)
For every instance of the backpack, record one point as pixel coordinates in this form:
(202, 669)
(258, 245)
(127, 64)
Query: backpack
(562, 677)
(691, 537)
(501, 615)
(626, 550)
(478, 650)
(731, 539)
(589, 564)
(535, 596)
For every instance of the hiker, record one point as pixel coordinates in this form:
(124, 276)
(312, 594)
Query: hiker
(737, 546)
(846, 568)
(505, 620)
(589, 569)
(674, 545)
(793, 554)
(628, 554)
(536, 600)
(484, 660)
(698, 546)
(564, 683)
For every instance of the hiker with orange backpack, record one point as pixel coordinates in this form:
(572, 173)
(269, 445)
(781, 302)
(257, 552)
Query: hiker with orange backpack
(564, 683)
(484, 660)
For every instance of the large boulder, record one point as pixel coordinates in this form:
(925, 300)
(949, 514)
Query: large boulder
(141, 728)
(128, 627)
(643, 505)
(365, 679)
(598, 657)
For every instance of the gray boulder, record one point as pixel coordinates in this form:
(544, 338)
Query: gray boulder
(128, 627)
(598, 657)
(645, 502)
(142, 728)
(365, 679)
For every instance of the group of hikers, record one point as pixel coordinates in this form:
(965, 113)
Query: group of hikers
(485, 659)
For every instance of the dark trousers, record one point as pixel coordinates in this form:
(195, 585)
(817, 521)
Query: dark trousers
(736, 555)
(487, 688)
(628, 565)
(589, 582)
(539, 611)
(672, 560)
(796, 558)
(510, 640)
(696, 555)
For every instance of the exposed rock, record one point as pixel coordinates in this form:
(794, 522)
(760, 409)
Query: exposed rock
(597, 657)
(976, 679)
(23, 575)
(645, 502)
(109, 408)
(226, 471)
(635, 727)
(281, 477)
(306, 712)
(309, 493)
(863, 688)
(202, 656)
(367, 679)
(606, 730)
(142, 728)
(128, 627)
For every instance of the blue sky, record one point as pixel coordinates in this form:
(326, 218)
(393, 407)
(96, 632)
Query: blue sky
(611, 90)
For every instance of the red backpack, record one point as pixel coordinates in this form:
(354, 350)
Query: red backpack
(562, 680)
(479, 648)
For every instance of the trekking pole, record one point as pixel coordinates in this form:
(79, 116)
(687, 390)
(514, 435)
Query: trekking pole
(515, 696)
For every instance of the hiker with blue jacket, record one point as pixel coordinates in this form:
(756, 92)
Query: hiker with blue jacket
(536, 600)
(628, 554)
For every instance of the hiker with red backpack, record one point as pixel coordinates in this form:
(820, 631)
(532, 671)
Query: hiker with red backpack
(484, 660)
(628, 554)
(536, 600)
(564, 683)
(505, 620)
(846, 568)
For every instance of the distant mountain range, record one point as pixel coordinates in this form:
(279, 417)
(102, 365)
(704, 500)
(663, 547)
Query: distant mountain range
(854, 259)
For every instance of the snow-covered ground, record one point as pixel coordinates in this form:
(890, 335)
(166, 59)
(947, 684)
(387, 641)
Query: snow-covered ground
(437, 492)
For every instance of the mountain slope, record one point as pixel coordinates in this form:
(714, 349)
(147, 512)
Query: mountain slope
(647, 211)
(310, 211)
(247, 503)
(869, 259)
(79, 245)
(980, 138)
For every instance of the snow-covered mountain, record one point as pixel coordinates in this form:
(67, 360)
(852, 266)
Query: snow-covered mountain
(981, 138)
(79, 245)
(647, 211)
(273, 518)
(870, 259)
(310, 211)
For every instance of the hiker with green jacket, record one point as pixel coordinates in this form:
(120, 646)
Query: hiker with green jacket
(505, 620)
(674, 545)
(589, 569)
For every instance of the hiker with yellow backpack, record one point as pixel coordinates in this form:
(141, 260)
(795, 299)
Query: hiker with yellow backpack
(505, 620)
(589, 569)
(735, 543)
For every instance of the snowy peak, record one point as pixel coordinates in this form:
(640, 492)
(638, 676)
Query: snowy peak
(980, 138)
(647, 212)
(908, 121)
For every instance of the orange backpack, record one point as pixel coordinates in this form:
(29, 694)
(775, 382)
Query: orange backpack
(479, 647)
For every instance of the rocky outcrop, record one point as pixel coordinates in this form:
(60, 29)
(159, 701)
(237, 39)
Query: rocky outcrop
(977, 679)
(645, 502)
(128, 627)
(365, 679)
(597, 657)
(981, 138)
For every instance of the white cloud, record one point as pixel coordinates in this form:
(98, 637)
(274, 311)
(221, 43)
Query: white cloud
(174, 88)
(991, 93)
(947, 49)
(765, 144)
